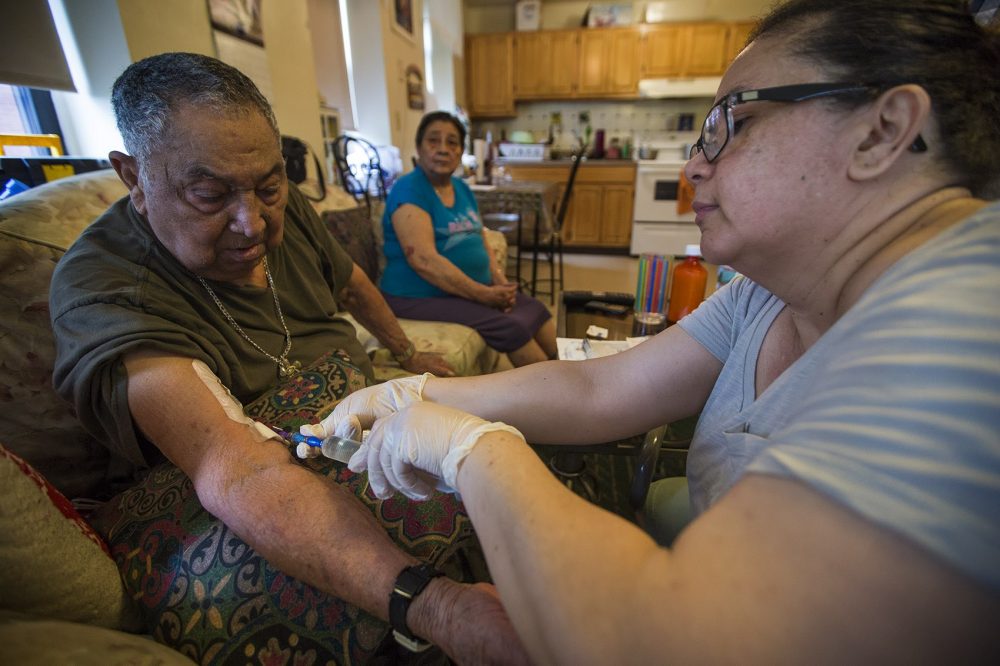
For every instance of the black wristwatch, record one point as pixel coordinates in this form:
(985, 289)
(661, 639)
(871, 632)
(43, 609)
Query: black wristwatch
(411, 581)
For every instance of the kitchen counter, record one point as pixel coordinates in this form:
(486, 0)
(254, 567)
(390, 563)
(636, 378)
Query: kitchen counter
(600, 211)
(563, 162)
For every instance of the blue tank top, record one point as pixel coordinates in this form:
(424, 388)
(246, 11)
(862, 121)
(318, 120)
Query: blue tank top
(458, 236)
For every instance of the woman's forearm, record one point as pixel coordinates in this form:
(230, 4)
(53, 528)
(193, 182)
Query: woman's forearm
(555, 402)
(446, 276)
(550, 554)
(586, 402)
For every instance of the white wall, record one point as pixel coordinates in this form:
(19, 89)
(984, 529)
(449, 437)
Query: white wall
(102, 37)
(304, 52)
(364, 19)
(447, 43)
(328, 58)
(93, 40)
(399, 52)
(149, 30)
(288, 43)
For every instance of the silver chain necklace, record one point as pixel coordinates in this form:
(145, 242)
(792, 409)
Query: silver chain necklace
(286, 368)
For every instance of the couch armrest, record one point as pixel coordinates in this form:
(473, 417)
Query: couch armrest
(498, 244)
(462, 347)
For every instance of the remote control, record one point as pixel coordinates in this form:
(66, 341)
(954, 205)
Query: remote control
(608, 308)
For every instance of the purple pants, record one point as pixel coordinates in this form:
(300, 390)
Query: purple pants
(503, 331)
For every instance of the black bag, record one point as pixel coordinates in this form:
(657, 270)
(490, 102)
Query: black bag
(296, 152)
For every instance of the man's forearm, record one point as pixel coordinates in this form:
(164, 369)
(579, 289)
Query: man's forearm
(365, 303)
(306, 526)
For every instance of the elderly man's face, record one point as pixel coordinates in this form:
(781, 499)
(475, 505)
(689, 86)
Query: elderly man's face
(215, 193)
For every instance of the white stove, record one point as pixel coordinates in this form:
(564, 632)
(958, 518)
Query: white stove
(657, 227)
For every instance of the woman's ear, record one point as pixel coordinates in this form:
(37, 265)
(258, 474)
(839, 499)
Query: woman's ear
(128, 172)
(894, 123)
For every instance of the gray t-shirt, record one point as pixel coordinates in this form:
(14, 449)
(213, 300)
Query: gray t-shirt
(118, 289)
(893, 413)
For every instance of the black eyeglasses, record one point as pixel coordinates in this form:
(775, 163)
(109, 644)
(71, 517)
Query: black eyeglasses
(719, 126)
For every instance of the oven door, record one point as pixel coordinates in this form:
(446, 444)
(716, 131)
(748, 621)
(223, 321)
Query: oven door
(656, 193)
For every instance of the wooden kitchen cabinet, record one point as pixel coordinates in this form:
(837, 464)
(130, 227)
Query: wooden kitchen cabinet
(661, 51)
(546, 64)
(592, 63)
(584, 215)
(600, 209)
(489, 63)
(616, 215)
(609, 63)
(706, 53)
(738, 33)
(684, 49)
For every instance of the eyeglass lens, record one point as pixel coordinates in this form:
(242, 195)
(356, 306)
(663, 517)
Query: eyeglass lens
(714, 134)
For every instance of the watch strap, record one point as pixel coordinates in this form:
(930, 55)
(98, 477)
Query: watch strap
(411, 581)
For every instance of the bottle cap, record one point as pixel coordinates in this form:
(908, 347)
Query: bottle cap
(692, 250)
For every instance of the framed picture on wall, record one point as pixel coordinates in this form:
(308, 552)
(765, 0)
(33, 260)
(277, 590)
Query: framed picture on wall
(403, 18)
(239, 18)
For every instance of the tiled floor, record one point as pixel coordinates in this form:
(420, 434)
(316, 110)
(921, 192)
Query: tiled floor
(592, 272)
(607, 272)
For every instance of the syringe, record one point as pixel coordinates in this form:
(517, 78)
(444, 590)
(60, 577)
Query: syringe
(307, 446)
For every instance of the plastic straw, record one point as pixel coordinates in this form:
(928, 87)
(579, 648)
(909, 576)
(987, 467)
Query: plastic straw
(639, 285)
(651, 285)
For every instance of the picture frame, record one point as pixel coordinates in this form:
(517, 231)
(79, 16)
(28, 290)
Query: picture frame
(414, 88)
(402, 19)
(238, 18)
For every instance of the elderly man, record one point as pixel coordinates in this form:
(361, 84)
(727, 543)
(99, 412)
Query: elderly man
(212, 280)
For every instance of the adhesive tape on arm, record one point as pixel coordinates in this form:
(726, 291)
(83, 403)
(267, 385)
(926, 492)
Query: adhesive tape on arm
(230, 405)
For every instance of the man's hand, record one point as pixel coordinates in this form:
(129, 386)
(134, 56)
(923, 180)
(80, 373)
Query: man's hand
(407, 450)
(422, 362)
(469, 624)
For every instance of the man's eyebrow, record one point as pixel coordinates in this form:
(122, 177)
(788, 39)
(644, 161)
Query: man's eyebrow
(198, 171)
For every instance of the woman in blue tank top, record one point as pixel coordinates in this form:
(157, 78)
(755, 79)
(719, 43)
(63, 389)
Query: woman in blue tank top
(438, 263)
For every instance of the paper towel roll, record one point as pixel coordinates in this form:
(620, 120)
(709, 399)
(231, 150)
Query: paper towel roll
(479, 152)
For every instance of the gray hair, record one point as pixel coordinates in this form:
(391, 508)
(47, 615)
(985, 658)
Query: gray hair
(150, 90)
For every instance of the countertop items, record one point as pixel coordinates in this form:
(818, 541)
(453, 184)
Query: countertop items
(565, 161)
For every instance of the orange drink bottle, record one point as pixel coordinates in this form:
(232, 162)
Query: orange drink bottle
(688, 289)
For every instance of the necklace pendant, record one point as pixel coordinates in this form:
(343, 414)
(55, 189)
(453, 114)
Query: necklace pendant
(286, 369)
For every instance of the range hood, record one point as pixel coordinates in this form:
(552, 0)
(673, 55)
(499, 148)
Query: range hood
(693, 86)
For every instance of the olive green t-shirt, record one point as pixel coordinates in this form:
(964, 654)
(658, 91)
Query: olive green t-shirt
(118, 289)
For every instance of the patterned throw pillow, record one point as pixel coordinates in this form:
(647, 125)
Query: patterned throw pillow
(207, 594)
(52, 564)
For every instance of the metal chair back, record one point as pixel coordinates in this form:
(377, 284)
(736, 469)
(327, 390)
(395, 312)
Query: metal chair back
(359, 168)
(568, 192)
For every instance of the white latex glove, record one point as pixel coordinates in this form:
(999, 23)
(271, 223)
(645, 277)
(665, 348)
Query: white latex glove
(358, 411)
(420, 440)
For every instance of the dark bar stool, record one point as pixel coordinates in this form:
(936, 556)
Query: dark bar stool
(509, 224)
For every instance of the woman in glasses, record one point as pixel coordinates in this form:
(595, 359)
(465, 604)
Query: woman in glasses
(845, 471)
